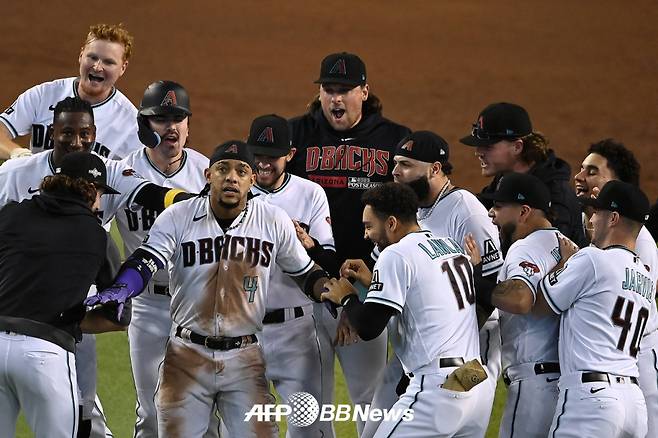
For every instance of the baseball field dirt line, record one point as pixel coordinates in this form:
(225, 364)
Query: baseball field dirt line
(118, 393)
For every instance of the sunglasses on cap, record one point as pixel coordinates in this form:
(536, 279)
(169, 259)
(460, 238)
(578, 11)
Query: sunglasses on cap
(481, 134)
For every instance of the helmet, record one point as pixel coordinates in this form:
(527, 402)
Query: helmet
(165, 97)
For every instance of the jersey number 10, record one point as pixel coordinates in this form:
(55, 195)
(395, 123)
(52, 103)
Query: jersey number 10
(625, 324)
(462, 267)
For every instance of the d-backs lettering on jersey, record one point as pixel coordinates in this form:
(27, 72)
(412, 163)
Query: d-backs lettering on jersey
(458, 213)
(602, 296)
(20, 179)
(355, 159)
(429, 281)
(219, 280)
(305, 202)
(529, 338)
(115, 118)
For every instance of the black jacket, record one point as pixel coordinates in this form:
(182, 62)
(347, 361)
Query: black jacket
(565, 208)
(345, 164)
(52, 248)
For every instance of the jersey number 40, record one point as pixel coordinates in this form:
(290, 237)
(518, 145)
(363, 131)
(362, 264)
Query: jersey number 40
(625, 323)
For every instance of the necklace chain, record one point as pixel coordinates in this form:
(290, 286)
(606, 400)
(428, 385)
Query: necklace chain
(244, 214)
(438, 198)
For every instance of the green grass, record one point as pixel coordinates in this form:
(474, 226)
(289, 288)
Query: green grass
(117, 392)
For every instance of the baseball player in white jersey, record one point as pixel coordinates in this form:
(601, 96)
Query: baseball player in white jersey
(103, 60)
(421, 286)
(73, 130)
(603, 294)
(289, 339)
(529, 348)
(421, 162)
(166, 109)
(220, 250)
(609, 160)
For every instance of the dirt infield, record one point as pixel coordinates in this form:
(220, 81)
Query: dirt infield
(585, 70)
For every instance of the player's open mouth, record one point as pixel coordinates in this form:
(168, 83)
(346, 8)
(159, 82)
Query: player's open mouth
(264, 172)
(171, 138)
(97, 79)
(230, 190)
(338, 113)
(580, 190)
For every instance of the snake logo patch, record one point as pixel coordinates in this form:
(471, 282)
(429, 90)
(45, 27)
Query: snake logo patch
(339, 67)
(169, 99)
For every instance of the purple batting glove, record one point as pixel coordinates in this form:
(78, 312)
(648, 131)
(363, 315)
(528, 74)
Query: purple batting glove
(117, 293)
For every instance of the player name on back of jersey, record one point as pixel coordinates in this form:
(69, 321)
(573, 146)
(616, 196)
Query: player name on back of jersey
(250, 250)
(639, 283)
(436, 248)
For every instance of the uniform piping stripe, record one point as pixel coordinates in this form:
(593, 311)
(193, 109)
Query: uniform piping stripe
(550, 301)
(133, 195)
(96, 105)
(8, 123)
(655, 361)
(75, 408)
(329, 246)
(516, 406)
(300, 271)
(564, 405)
(485, 359)
(182, 165)
(385, 302)
(422, 381)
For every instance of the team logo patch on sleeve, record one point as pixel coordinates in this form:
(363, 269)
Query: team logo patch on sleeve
(130, 172)
(375, 284)
(491, 253)
(552, 277)
(529, 268)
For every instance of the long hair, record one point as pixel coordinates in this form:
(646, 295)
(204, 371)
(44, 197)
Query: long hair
(535, 148)
(64, 184)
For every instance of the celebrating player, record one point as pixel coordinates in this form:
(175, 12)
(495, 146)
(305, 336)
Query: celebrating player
(609, 160)
(505, 142)
(425, 283)
(345, 145)
(164, 116)
(289, 339)
(220, 249)
(530, 356)
(103, 60)
(41, 312)
(603, 294)
(422, 162)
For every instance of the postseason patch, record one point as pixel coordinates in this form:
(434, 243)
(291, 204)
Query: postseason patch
(552, 277)
(529, 268)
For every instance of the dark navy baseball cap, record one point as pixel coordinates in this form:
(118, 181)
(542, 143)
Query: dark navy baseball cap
(269, 135)
(233, 150)
(342, 68)
(87, 166)
(499, 121)
(523, 189)
(624, 198)
(424, 146)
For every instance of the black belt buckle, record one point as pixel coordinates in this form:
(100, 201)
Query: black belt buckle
(595, 377)
(161, 290)
(547, 367)
(446, 362)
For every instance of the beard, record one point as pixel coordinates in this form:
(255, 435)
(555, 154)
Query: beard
(228, 205)
(506, 239)
(421, 187)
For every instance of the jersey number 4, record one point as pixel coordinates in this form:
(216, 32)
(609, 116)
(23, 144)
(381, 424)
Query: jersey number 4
(250, 285)
(462, 282)
(625, 324)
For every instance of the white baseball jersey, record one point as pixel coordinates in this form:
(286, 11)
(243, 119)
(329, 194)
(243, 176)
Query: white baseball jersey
(458, 213)
(305, 202)
(645, 247)
(529, 338)
(429, 281)
(134, 225)
(219, 280)
(603, 296)
(115, 118)
(20, 179)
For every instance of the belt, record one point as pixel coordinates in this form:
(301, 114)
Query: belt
(605, 377)
(539, 368)
(279, 315)
(444, 362)
(215, 342)
(161, 290)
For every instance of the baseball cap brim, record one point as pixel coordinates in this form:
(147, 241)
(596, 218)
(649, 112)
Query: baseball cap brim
(107, 190)
(469, 140)
(340, 81)
(590, 202)
(165, 110)
(268, 151)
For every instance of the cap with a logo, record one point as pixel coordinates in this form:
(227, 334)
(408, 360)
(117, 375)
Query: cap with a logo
(424, 146)
(342, 68)
(233, 150)
(499, 121)
(624, 198)
(165, 97)
(521, 188)
(87, 166)
(269, 135)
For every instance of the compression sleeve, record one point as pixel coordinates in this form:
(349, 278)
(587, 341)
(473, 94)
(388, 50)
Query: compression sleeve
(368, 319)
(158, 198)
